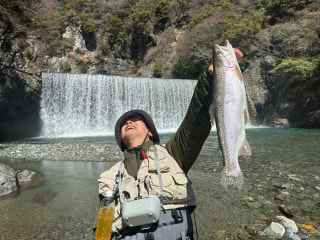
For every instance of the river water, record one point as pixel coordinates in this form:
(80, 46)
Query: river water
(283, 169)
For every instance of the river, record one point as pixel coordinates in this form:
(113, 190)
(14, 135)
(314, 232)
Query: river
(283, 169)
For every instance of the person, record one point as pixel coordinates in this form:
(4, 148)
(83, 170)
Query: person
(149, 168)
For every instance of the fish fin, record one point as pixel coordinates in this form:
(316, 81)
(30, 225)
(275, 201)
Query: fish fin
(239, 73)
(246, 117)
(245, 149)
(229, 181)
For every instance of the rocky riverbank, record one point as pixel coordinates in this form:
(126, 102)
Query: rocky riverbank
(60, 151)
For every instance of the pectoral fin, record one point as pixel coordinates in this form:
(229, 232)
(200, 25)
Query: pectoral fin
(239, 73)
(246, 117)
(245, 149)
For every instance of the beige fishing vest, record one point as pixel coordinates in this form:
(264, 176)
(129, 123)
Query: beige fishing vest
(177, 191)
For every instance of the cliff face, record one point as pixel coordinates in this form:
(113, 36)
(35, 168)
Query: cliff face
(281, 103)
(20, 89)
(30, 44)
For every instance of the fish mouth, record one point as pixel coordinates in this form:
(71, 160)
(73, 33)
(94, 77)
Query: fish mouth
(224, 54)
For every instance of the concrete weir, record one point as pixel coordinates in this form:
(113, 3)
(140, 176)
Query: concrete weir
(89, 105)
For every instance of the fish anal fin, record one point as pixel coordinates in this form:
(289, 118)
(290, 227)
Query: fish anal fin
(245, 149)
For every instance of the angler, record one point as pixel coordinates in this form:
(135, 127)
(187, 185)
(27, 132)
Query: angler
(153, 194)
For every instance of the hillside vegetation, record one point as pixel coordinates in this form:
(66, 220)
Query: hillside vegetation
(128, 29)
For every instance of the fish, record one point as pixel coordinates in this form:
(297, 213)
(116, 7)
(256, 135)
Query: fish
(230, 114)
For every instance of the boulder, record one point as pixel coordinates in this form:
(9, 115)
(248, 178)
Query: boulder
(11, 180)
(8, 180)
(275, 230)
(27, 179)
(288, 223)
(24, 176)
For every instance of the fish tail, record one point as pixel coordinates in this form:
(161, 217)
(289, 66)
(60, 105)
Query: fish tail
(231, 181)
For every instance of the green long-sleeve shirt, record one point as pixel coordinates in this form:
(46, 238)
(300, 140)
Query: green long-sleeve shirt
(187, 142)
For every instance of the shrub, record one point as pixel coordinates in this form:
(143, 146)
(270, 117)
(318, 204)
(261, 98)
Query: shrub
(187, 66)
(114, 24)
(89, 27)
(65, 66)
(183, 6)
(200, 17)
(157, 70)
(66, 8)
(241, 30)
(105, 48)
(59, 47)
(140, 17)
(162, 10)
(83, 67)
(293, 69)
(281, 9)
(27, 53)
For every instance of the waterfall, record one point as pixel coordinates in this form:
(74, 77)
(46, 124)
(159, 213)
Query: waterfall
(89, 105)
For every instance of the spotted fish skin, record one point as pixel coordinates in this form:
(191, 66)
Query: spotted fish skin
(230, 113)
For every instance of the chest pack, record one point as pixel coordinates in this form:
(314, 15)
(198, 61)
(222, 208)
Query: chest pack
(141, 210)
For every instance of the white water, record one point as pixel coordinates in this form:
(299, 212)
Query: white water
(89, 105)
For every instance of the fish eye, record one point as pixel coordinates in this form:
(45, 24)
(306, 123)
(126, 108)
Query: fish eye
(219, 52)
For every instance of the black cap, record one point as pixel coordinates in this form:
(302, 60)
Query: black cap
(146, 118)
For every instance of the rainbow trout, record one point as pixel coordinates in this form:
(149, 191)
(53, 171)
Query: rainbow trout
(230, 113)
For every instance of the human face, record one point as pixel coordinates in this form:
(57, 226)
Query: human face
(134, 131)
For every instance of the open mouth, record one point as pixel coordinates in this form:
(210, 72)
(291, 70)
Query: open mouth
(131, 127)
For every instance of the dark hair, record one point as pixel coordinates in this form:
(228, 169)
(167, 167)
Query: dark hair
(146, 118)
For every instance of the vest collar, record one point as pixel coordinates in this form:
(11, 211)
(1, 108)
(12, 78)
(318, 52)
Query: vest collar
(133, 157)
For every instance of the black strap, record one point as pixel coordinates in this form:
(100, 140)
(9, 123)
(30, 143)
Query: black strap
(176, 215)
(149, 236)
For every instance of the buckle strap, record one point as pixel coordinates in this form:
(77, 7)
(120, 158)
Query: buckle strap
(177, 215)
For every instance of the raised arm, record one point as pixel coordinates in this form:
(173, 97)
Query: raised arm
(186, 144)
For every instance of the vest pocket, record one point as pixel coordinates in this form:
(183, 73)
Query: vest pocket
(129, 185)
(181, 182)
(174, 187)
(164, 167)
